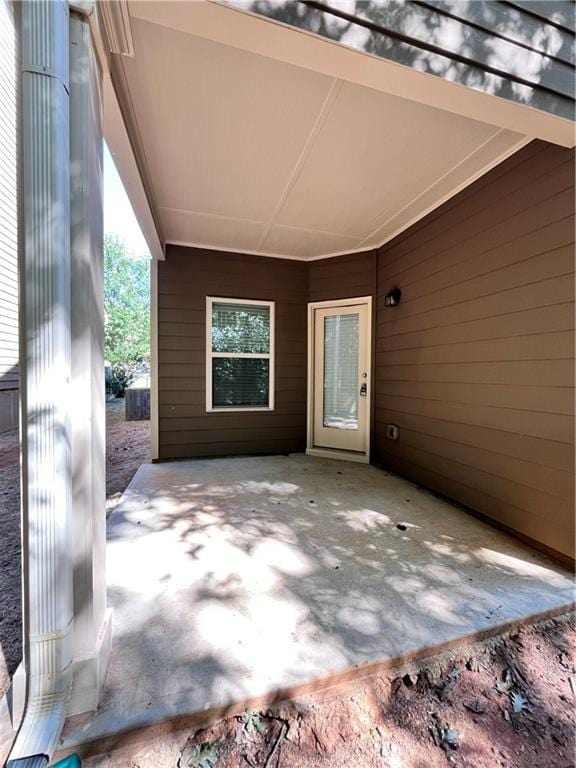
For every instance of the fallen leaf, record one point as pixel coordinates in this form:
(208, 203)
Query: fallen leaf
(519, 703)
(504, 685)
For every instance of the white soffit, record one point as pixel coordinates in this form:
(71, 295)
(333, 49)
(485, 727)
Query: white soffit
(251, 154)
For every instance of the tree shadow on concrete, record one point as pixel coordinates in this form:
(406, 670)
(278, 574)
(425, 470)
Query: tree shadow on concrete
(238, 578)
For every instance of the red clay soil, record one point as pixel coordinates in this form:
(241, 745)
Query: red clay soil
(127, 446)
(10, 599)
(504, 703)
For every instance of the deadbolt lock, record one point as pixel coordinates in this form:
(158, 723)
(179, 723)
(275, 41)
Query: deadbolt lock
(364, 390)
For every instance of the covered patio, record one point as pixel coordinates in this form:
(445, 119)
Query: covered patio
(243, 579)
(409, 178)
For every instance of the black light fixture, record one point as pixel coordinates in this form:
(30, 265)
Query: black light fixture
(392, 298)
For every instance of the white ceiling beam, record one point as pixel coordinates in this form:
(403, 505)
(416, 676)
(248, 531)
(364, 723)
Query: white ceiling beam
(120, 146)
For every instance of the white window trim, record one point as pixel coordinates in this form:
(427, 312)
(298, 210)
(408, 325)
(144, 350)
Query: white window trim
(210, 300)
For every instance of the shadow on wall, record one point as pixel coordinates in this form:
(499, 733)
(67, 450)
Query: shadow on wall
(255, 575)
(457, 51)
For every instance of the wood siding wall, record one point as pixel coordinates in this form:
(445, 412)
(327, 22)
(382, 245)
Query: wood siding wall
(184, 280)
(342, 277)
(9, 376)
(476, 363)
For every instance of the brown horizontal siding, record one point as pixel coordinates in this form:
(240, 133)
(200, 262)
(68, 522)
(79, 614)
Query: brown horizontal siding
(548, 426)
(543, 346)
(546, 454)
(451, 481)
(427, 436)
(423, 451)
(552, 318)
(246, 446)
(546, 293)
(476, 364)
(342, 277)
(537, 268)
(545, 400)
(185, 279)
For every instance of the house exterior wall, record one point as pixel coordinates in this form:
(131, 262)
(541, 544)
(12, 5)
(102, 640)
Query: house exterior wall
(185, 279)
(9, 374)
(476, 363)
(520, 51)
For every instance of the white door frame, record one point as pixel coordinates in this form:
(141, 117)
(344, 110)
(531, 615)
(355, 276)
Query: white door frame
(330, 453)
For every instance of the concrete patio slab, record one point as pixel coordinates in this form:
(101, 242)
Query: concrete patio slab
(235, 579)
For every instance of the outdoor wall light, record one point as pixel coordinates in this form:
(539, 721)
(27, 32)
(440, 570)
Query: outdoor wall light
(392, 298)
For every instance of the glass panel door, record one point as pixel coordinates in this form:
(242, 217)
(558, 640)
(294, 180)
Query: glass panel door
(341, 371)
(340, 389)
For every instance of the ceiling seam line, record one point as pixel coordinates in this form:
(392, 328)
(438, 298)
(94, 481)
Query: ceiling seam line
(435, 183)
(186, 212)
(325, 110)
(454, 192)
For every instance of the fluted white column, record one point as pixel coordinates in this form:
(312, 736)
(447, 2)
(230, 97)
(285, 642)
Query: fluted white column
(91, 619)
(44, 216)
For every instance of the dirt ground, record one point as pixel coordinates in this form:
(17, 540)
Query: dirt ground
(127, 446)
(504, 703)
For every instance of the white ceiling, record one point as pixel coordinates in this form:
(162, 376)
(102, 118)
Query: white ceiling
(248, 153)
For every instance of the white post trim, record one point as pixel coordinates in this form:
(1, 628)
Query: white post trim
(92, 624)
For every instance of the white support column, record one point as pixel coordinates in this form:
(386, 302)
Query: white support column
(91, 618)
(44, 243)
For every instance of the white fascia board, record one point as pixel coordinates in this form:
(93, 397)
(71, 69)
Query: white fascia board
(120, 146)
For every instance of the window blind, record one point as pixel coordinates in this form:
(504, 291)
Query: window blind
(238, 381)
(240, 328)
(341, 371)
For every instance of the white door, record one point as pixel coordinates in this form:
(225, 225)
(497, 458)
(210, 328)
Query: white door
(341, 380)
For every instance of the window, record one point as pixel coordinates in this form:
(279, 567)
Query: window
(239, 355)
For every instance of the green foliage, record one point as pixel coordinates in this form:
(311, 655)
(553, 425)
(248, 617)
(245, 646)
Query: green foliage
(127, 308)
(240, 328)
(253, 722)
